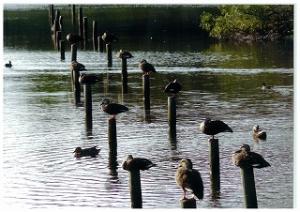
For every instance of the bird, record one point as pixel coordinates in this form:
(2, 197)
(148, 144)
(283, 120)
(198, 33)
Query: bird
(213, 127)
(108, 37)
(265, 86)
(189, 179)
(146, 67)
(88, 78)
(173, 87)
(77, 66)
(73, 38)
(92, 151)
(258, 133)
(112, 108)
(8, 65)
(124, 54)
(244, 157)
(137, 164)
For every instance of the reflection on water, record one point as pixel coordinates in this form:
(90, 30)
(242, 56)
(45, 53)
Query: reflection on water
(42, 126)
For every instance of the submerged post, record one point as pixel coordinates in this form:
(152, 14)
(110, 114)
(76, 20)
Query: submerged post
(172, 116)
(135, 188)
(73, 52)
(85, 32)
(58, 38)
(146, 89)
(188, 203)
(112, 143)
(77, 88)
(62, 50)
(109, 54)
(100, 44)
(124, 76)
(247, 175)
(214, 162)
(95, 31)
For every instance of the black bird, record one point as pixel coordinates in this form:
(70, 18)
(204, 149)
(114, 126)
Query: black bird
(210, 127)
(189, 178)
(124, 54)
(73, 38)
(88, 78)
(173, 87)
(244, 157)
(77, 66)
(112, 108)
(108, 37)
(258, 133)
(8, 65)
(146, 67)
(93, 151)
(265, 86)
(137, 164)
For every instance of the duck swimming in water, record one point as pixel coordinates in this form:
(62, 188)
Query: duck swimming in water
(189, 178)
(124, 54)
(137, 164)
(112, 108)
(173, 87)
(210, 127)
(258, 133)
(146, 67)
(8, 65)
(93, 151)
(244, 157)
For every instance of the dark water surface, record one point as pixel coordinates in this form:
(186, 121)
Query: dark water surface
(42, 126)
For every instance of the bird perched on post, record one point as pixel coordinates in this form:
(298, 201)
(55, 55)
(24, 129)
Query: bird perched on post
(93, 151)
(213, 127)
(258, 133)
(108, 37)
(173, 87)
(88, 78)
(124, 54)
(137, 164)
(146, 67)
(8, 65)
(73, 38)
(244, 157)
(189, 178)
(112, 108)
(265, 86)
(77, 66)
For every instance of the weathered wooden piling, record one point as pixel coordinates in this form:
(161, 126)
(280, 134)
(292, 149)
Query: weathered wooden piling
(172, 116)
(112, 143)
(188, 203)
(73, 15)
(146, 90)
(85, 32)
(95, 31)
(135, 188)
(62, 50)
(88, 105)
(60, 23)
(100, 44)
(109, 54)
(214, 162)
(51, 14)
(248, 180)
(124, 76)
(77, 88)
(58, 39)
(80, 23)
(73, 52)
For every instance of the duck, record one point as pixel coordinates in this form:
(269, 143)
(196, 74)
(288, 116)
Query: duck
(73, 38)
(112, 108)
(146, 67)
(244, 157)
(124, 54)
(188, 178)
(87, 78)
(258, 133)
(92, 151)
(265, 86)
(76, 66)
(213, 127)
(8, 65)
(173, 87)
(108, 37)
(131, 164)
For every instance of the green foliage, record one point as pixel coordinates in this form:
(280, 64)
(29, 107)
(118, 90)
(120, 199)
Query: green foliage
(258, 21)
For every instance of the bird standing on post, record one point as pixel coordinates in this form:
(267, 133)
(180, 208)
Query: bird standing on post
(124, 54)
(146, 67)
(137, 164)
(258, 133)
(189, 178)
(88, 78)
(244, 157)
(77, 66)
(213, 127)
(93, 151)
(8, 65)
(173, 87)
(73, 38)
(108, 37)
(112, 108)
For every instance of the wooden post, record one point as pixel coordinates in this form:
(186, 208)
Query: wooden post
(51, 14)
(77, 88)
(56, 27)
(95, 31)
(85, 32)
(135, 188)
(58, 38)
(172, 116)
(249, 186)
(124, 76)
(88, 104)
(73, 14)
(73, 52)
(214, 162)
(60, 22)
(146, 86)
(100, 44)
(80, 23)
(62, 50)
(112, 143)
(109, 54)
(188, 203)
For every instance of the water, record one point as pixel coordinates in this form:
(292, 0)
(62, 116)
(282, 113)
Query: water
(42, 126)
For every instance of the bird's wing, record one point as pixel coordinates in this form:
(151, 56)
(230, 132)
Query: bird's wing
(196, 183)
(221, 125)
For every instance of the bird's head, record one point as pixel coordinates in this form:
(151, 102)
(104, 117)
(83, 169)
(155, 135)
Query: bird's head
(245, 147)
(105, 102)
(77, 150)
(143, 61)
(186, 163)
(255, 128)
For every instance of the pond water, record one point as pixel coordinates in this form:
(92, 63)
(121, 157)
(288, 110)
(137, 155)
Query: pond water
(42, 126)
